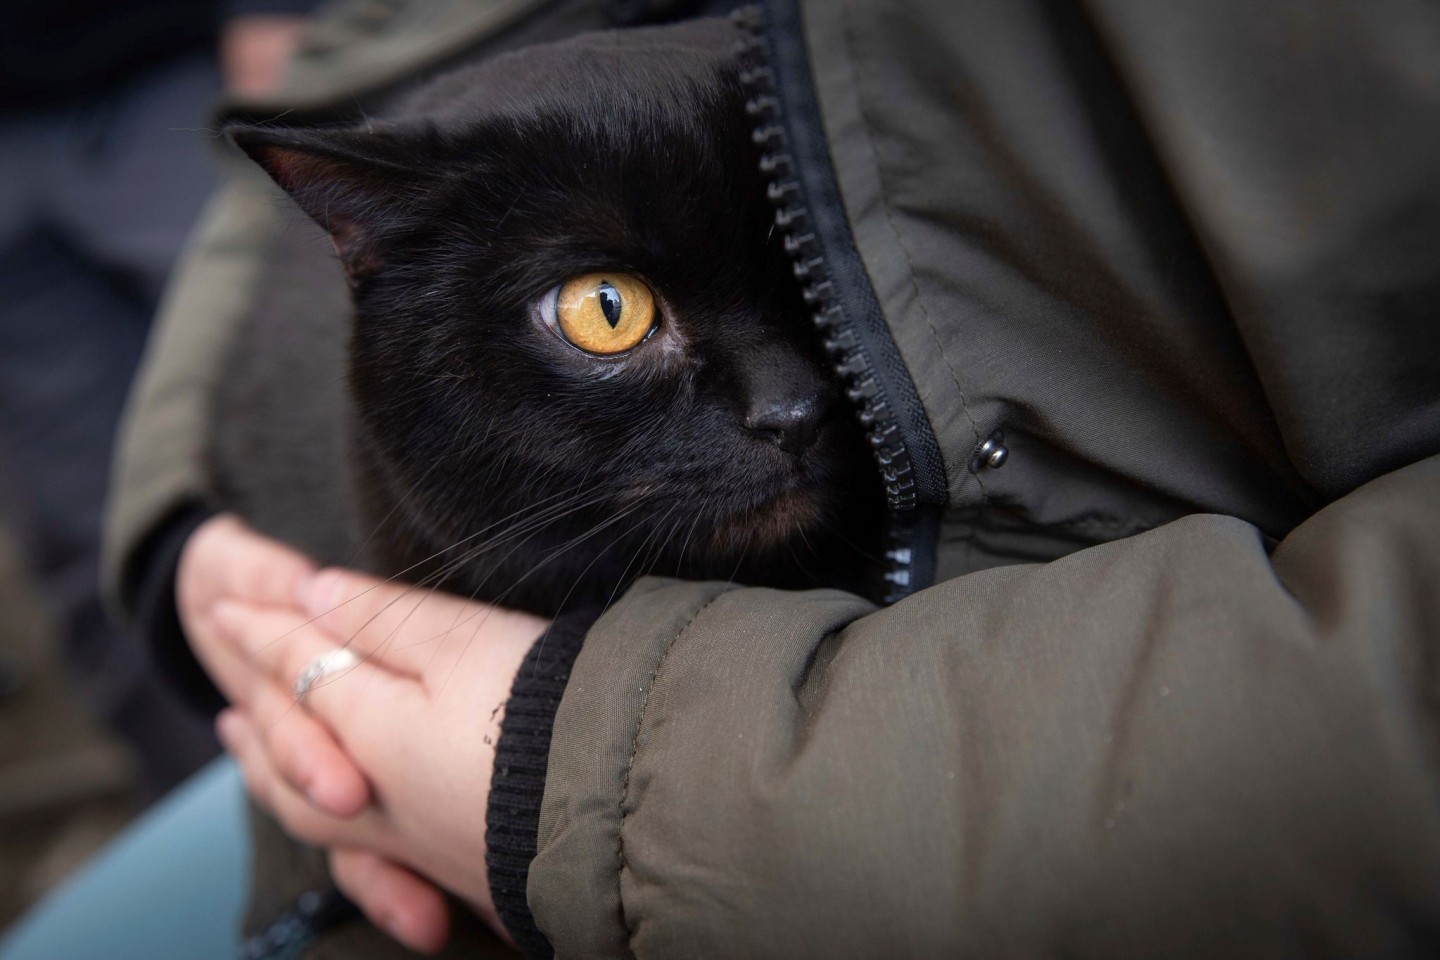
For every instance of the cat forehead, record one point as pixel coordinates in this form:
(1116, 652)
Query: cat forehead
(603, 70)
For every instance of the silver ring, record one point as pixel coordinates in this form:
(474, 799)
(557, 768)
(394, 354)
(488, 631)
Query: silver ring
(326, 665)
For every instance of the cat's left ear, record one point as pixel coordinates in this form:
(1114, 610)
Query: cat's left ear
(356, 184)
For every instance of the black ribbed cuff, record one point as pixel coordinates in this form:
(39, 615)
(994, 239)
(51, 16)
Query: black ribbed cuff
(157, 620)
(512, 822)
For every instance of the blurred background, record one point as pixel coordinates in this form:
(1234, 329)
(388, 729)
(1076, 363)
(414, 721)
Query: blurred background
(105, 163)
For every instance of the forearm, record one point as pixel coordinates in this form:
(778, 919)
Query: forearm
(1171, 740)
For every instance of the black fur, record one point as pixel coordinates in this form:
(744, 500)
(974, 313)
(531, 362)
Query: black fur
(503, 461)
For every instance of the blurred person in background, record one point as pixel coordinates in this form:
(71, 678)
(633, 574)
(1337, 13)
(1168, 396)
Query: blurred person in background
(104, 166)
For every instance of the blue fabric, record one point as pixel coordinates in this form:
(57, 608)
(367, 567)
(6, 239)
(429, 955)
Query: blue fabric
(172, 887)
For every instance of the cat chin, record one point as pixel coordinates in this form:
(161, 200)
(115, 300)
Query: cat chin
(776, 521)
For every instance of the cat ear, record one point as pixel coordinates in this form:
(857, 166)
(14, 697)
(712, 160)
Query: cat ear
(353, 183)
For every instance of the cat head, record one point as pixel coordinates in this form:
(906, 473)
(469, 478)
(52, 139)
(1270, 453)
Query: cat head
(576, 326)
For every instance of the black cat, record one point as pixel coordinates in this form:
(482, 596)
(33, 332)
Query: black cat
(578, 353)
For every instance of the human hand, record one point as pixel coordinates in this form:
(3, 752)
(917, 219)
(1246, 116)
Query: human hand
(254, 51)
(228, 566)
(234, 583)
(420, 714)
(224, 560)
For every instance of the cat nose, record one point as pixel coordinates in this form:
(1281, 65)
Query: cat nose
(791, 423)
(785, 395)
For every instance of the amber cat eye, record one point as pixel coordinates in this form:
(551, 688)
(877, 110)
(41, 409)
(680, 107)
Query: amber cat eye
(605, 313)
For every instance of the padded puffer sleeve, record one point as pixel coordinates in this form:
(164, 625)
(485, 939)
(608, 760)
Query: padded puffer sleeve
(1180, 743)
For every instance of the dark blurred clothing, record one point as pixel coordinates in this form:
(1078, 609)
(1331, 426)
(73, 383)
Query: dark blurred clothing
(96, 200)
(62, 51)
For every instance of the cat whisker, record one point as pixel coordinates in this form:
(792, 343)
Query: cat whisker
(694, 524)
(545, 514)
(588, 567)
(436, 578)
(523, 532)
(404, 499)
(625, 573)
(558, 551)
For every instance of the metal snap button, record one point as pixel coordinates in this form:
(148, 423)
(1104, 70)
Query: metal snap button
(991, 454)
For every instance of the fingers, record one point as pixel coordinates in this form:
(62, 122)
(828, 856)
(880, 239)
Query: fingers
(233, 673)
(242, 739)
(396, 900)
(306, 755)
(303, 751)
(407, 629)
(279, 643)
(313, 747)
(401, 625)
(224, 557)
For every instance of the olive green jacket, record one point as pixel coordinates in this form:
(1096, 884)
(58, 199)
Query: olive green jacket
(1172, 689)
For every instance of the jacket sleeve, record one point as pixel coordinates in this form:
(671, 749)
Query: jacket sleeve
(160, 466)
(1178, 743)
(159, 491)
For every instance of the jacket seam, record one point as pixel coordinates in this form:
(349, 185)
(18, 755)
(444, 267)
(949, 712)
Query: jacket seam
(634, 752)
(1094, 522)
(885, 203)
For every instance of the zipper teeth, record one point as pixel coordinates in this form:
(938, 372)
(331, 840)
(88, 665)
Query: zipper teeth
(848, 356)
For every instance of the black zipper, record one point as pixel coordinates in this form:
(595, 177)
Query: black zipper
(800, 182)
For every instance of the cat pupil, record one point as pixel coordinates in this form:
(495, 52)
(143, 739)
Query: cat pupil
(610, 304)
